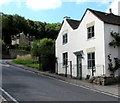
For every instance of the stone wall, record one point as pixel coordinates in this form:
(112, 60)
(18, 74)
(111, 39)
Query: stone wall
(103, 80)
(14, 52)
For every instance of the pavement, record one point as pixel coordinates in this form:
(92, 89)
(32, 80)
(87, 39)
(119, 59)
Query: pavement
(113, 90)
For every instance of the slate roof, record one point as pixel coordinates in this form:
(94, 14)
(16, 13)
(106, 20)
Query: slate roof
(73, 23)
(109, 18)
(105, 17)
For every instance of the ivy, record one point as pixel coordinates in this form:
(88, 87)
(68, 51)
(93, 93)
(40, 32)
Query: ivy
(110, 64)
(116, 41)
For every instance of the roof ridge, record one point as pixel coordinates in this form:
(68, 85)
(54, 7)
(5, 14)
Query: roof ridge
(102, 12)
(106, 17)
(73, 23)
(74, 20)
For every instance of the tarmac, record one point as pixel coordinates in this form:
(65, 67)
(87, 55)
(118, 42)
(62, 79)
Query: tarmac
(113, 90)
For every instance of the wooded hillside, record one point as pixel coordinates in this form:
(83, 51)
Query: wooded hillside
(14, 24)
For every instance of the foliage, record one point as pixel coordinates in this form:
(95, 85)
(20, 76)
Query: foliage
(35, 65)
(28, 63)
(15, 46)
(46, 46)
(18, 61)
(116, 41)
(110, 65)
(34, 49)
(14, 24)
(7, 27)
(2, 43)
(45, 50)
(52, 29)
(117, 64)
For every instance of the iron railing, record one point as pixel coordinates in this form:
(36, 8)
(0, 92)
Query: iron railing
(72, 70)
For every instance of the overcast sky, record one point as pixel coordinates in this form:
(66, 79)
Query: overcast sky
(52, 11)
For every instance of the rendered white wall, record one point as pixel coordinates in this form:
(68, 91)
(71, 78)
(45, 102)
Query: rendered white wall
(108, 49)
(77, 41)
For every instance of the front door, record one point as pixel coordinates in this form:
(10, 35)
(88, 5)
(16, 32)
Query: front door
(79, 66)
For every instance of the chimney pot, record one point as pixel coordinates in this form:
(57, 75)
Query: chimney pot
(110, 11)
(66, 17)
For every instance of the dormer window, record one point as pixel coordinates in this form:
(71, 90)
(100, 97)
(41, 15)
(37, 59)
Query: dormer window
(90, 32)
(65, 38)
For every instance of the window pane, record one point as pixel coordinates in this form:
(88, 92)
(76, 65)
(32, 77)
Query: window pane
(65, 58)
(89, 56)
(93, 34)
(93, 63)
(93, 55)
(92, 28)
(91, 60)
(90, 32)
(88, 64)
(65, 38)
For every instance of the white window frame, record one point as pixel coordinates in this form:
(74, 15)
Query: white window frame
(65, 58)
(90, 32)
(65, 38)
(91, 60)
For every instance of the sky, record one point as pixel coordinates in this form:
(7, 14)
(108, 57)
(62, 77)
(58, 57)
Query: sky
(52, 11)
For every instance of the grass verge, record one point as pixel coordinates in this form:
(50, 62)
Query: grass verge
(28, 63)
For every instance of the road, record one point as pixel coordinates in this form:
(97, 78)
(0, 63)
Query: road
(23, 85)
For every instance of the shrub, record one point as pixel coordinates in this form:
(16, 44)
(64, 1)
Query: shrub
(45, 50)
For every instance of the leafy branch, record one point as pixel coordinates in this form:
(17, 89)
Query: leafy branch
(110, 64)
(116, 41)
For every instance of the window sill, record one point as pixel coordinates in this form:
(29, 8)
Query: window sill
(64, 43)
(90, 38)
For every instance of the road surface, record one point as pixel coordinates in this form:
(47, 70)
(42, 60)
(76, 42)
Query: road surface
(23, 85)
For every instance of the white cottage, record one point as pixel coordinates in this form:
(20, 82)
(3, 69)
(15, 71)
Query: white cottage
(82, 47)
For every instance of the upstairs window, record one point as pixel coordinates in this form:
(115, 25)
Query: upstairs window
(65, 59)
(91, 60)
(90, 32)
(65, 38)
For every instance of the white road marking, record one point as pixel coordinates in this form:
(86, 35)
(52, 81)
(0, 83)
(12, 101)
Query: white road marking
(2, 99)
(13, 99)
(6, 65)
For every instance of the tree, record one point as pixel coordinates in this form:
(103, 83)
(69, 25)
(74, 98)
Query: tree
(20, 23)
(34, 49)
(7, 27)
(45, 50)
(52, 30)
(14, 24)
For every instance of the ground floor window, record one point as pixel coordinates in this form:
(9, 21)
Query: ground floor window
(65, 58)
(91, 60)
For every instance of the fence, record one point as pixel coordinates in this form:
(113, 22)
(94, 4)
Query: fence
(73, 71)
